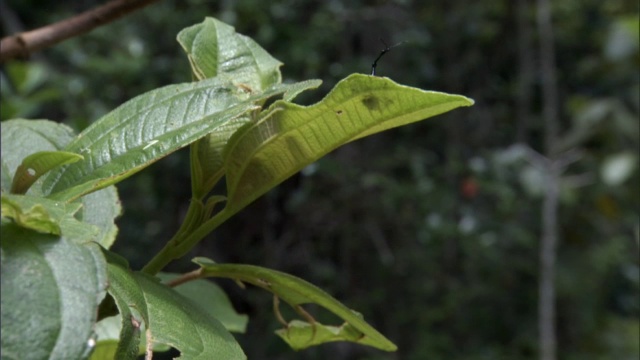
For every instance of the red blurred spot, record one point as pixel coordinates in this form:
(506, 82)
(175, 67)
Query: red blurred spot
(469, 188)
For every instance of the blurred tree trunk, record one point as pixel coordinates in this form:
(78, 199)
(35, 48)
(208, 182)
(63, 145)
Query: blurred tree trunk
(549, 239)
(526, 56)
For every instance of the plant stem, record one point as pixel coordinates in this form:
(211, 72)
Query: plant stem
(178, 246)
(184, 278)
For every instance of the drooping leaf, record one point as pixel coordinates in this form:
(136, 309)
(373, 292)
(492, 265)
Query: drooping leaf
(295, 292)
(290, 137)
(301, 334)
(21, 138)
(36, 165)
(216, 50)
(211, 299)
(51, 288)
(171, 318)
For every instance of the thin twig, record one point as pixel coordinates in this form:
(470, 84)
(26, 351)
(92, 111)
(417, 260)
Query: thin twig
(184, 278)
(22, 44)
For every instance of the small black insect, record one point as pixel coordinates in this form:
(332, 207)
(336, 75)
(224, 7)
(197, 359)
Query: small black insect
(384, 51)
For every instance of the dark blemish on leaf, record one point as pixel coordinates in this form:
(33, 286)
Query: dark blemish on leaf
(371, 102)
(245, 88)
(339, 112)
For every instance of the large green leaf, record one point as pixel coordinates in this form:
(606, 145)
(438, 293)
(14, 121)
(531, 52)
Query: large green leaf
(171, 318)
(296, 292)
(216, 50)
(141, 131)
(51, 288)
(291, 136)
(21, 138)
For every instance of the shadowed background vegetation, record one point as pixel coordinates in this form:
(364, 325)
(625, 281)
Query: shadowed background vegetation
(432, 230)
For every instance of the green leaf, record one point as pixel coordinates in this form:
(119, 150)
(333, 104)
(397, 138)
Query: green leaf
(207, 161)
(51, 288)
(141, 131)
(131, 304)
(36, 165)
(290, 136)
(301, 334)
(170, 318)
(212, 299)
(296, 292)
(21, 138)
(100, 209)
(107, 333)
(34, 217)
(216, 50)
(200, 335)
(207, 164)
(48, 216)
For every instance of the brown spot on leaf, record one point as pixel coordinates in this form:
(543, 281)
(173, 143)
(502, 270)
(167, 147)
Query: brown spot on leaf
(371, 102)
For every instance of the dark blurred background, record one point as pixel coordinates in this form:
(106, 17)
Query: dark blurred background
(433, 230)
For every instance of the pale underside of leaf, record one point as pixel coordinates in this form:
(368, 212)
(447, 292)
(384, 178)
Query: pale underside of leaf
(290, 136)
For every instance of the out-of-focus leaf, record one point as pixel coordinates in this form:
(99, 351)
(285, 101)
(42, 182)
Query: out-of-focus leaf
(617, 168)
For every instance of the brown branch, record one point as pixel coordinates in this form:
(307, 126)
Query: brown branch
(22, 44)
(184, 278)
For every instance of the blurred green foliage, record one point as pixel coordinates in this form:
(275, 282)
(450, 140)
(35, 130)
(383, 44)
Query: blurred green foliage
(431, 230)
